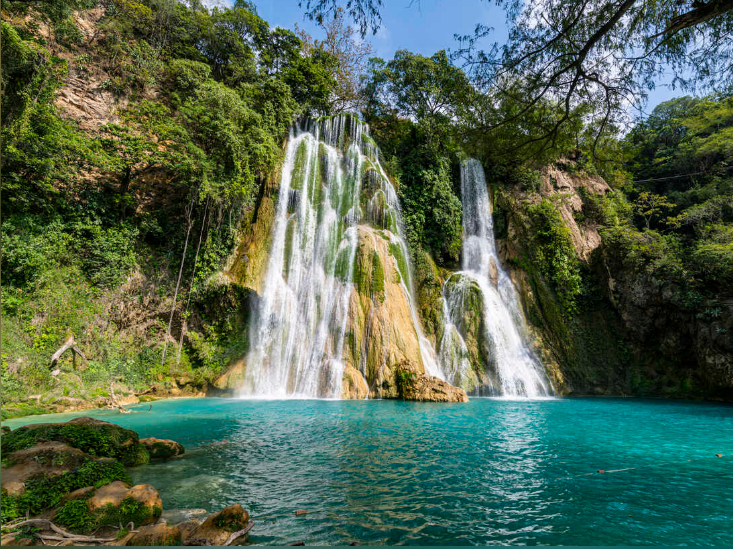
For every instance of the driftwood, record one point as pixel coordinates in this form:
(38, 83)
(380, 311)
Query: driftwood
(120, 407)
(236, 535)
(63, 534)
(69, 343)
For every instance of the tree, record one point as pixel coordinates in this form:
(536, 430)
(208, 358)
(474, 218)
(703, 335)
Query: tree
(603, 53)
(351, 53)
(649, 206)
(416, 86)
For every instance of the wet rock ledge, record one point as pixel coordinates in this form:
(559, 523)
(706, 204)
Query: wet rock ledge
(66, 484)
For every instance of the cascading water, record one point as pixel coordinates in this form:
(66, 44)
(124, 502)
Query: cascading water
(513, 369)
(297, 338)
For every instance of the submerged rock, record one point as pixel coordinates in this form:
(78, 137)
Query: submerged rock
(162, 448)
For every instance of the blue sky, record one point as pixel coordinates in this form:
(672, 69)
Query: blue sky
(421, 26)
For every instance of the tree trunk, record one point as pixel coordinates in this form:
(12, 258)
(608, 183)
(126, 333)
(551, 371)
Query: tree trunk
(184, 327)
(178, 284)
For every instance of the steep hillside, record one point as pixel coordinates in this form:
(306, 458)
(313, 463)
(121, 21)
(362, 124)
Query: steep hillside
(138, 139)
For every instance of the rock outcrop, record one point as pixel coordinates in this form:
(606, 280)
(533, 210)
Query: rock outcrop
(73, 497)
(219, 527)
(92, 436)
(162, 448)
(411, 384)
(380, 332)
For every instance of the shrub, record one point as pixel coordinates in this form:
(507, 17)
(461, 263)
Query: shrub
(108, 255)
(553, 252)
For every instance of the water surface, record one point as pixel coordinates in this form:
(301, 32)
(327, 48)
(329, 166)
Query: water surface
(485, 472)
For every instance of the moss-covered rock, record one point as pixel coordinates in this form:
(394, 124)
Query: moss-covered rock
(380, 328)
(91, 436)
(217, 528)
(44, 491)
(51, 459)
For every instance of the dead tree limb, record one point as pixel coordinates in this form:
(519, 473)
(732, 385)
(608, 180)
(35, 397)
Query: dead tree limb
(236, 535)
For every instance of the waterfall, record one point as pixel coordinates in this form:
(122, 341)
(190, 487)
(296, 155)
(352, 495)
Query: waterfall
(297, 337)
(512, 369)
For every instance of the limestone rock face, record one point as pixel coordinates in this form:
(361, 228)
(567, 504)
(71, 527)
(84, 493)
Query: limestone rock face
(555, 181)
(217, 528)
(354, 386)
(380, 332)
(415, 385)
(233, 378)
(162, 448)
(248, 265)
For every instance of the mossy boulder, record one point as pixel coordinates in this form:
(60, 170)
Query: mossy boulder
(45, 490)
(162, 448)
(217, 528)
(91, 436)
(51, 459)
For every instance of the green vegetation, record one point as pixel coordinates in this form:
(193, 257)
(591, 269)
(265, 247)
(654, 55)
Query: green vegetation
(43, 492)
(377, 277)
(552, 250)
(409, 105)
(99, 439)
(100, 216)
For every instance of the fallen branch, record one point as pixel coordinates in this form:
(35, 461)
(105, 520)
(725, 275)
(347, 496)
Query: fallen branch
(69, 343)
(85, 539)
(236, 535)
(44, 523)
(121, 408)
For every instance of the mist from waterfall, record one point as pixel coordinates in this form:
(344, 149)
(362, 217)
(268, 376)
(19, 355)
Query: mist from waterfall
(513, 369)
(297, 337)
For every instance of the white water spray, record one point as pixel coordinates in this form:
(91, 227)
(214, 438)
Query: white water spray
(513, 368)
(297, 338)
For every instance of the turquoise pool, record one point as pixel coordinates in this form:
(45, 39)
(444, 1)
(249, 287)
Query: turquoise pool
(485, 472)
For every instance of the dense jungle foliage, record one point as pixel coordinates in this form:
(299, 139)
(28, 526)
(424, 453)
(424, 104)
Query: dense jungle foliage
(205, 101)
(108, 218)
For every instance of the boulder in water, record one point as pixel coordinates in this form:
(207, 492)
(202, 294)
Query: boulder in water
(92, 436)
(162, 448)
(218, 527)
(415, 385)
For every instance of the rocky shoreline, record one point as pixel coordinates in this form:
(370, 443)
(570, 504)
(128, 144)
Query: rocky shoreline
(67, 484)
